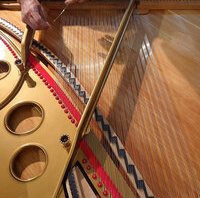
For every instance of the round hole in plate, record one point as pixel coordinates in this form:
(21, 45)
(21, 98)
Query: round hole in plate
(4, 69)
(24, 118)
(28, 163)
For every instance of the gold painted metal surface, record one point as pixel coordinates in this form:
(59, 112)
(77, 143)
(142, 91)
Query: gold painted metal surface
(109, 63)
(25, 168)
(153, 106)
(55, 123)
(26, 44)
(17, 77)
(13, 120)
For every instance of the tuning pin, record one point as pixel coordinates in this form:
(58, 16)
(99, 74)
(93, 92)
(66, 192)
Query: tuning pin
(65, 140)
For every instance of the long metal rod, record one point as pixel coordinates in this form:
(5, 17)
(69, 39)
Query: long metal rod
(25, 48)
(96, 93)
(22, 77)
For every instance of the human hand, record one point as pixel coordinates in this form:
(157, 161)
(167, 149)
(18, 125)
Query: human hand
(74, 1)
(33, 14)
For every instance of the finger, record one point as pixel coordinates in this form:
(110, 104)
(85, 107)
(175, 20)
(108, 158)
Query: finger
(67, 2)
(26, 18)
(70, 1)
(39, 20)
(43, 15)
(36, 22)
(32, 23)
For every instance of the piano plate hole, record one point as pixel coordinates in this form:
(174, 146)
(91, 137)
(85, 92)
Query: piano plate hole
(24, 118)
(4, 69)
(28, 163)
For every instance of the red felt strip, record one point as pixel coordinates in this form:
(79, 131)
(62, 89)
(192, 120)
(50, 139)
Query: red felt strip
(99, 169)
(64, 101)
(60, 94)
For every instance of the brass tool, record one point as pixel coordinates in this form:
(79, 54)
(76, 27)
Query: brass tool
(26, 44)
(25, 47)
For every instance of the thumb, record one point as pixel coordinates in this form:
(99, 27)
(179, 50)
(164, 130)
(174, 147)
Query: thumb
(67, 2)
